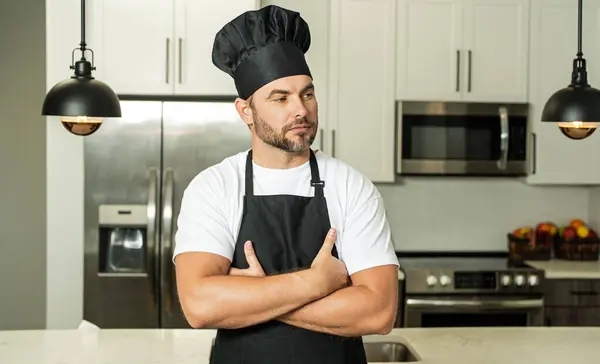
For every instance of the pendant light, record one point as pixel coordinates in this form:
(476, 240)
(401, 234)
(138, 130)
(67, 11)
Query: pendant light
(81, 101)
(575, 108)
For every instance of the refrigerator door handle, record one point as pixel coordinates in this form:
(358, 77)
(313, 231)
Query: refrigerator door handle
(152, 234)
(167, 239)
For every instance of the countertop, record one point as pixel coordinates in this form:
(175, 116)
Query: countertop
(565, 269)
(526, 345)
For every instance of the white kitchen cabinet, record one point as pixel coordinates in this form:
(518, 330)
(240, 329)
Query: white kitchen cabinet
(557, 159)
(361, 86)
(462, 50)
(161, 47)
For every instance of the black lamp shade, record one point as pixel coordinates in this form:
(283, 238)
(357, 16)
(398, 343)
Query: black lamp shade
(569, 104)
(82, 96)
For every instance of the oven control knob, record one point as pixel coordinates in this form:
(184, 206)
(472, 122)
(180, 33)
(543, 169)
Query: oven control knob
(519, 280)
(444, 281)
(533, 280)
(505, 280)
(431, 281)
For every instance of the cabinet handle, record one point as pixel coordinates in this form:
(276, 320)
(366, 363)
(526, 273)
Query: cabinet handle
(167, 63)
(180, 62)
(533, 151)
(333, 143)
(469, 88)
(457, 70)
(321, 139)
(584, 293)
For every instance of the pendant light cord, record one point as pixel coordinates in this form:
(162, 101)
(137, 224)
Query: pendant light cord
(579, 74)
(579, 31)
(83, 68)
(82, 44)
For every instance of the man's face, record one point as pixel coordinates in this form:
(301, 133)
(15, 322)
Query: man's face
(286, 113)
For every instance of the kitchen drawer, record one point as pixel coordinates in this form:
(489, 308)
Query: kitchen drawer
(572, 292)
(572, 316)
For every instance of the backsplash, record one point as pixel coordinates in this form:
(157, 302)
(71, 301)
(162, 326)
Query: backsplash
(594, 214)
(428, 214)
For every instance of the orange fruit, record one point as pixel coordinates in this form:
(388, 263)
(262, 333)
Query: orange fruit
(577, 223)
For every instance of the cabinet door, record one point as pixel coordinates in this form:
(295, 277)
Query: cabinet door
(196, 23)
(496, 47)
(362, 86)
(133, 45)
(557, 159)
(429, 58)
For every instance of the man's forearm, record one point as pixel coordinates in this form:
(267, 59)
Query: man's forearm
(240, 301)
(350, 311)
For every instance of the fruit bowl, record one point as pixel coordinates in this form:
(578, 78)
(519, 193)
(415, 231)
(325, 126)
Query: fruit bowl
(577, 241)
(532, 244)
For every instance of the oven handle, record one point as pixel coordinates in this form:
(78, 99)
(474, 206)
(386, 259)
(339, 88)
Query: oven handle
(503, 138)
(492, 304)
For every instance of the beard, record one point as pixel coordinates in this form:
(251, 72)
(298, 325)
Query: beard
(298, 144)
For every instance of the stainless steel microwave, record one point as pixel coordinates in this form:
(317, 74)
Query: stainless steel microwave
(456, 138)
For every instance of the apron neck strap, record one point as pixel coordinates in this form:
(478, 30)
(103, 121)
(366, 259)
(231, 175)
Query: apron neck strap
(315, 180)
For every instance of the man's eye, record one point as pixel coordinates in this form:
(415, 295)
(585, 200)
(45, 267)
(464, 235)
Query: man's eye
(282, 99)
(308, 95)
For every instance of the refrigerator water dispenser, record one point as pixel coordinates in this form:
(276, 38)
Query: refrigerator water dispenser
(123, 241)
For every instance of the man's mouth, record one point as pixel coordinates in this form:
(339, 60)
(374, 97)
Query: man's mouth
(300, 127)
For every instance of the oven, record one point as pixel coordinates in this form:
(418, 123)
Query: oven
(458, 138)
(471, 291)
(473, 311)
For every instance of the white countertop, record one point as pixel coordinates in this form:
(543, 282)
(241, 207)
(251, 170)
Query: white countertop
(543, 345)
(557, 269)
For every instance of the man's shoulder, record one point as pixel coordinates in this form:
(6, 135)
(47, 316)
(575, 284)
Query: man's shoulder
(343, 175)
(216, 177)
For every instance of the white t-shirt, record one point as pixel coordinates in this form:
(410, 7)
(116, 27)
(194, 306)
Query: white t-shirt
(212, 206)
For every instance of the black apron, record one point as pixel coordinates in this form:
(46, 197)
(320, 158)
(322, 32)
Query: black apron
(286, 232)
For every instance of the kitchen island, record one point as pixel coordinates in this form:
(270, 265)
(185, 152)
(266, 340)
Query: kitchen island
(527, 345)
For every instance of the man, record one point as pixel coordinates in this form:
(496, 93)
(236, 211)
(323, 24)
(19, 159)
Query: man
(286, 251)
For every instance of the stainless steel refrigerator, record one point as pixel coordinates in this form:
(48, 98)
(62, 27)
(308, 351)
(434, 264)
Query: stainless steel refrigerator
(136, 170)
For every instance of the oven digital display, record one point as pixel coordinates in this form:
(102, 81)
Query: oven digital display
(475, 280)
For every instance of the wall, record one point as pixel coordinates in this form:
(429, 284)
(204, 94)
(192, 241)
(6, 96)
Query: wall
(22, 165)
(474, 214)
(594, 206)
(64, 179)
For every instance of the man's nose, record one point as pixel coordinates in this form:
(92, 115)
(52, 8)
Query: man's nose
(300, 109)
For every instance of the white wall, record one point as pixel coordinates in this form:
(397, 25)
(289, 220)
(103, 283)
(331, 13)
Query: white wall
(594, 217)
(64, 153)
(474, 214)
(22, 166)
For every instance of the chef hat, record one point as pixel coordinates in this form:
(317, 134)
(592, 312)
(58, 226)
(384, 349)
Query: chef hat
(261, 46)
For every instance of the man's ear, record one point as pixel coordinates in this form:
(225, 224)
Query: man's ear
(244, 110)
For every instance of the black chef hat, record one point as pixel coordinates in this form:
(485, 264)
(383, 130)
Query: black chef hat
(261, 46)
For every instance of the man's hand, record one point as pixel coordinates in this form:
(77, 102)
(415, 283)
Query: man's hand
(331, 271)
(254, 269)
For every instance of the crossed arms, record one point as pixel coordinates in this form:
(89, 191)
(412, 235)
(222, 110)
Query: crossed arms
(319, 298)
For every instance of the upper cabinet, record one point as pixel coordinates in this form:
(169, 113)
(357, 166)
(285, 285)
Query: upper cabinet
(163, 47)
(361, 86)
(557, 159)
(462, 50)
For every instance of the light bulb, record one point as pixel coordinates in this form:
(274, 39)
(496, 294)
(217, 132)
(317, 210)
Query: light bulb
(81, 125)
(577, 129)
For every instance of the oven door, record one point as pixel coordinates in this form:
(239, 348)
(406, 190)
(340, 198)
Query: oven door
(469, 311)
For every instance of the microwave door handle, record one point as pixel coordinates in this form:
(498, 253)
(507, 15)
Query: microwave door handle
(502, 162)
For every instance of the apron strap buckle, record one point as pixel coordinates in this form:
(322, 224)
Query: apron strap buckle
(317, 183)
